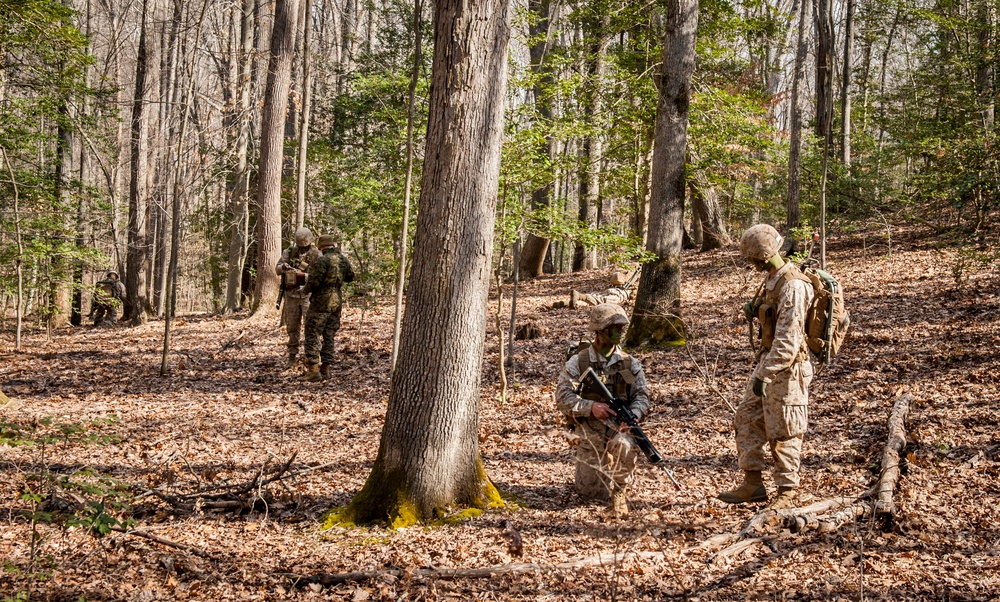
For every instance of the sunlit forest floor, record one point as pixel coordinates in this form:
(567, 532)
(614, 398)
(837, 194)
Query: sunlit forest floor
(89, 415)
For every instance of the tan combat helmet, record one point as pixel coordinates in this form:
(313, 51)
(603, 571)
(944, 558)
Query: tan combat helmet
(326, 240)
(303, 237)
(112, 275)
(760, 242)
(607, 314)
(619, 279)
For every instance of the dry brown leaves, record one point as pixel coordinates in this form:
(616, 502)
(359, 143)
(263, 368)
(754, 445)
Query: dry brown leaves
(228, 411)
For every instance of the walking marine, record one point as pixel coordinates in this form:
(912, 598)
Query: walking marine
(606, 454)
(774, 409)
(109, 295)
(292, 268)
(326, 277)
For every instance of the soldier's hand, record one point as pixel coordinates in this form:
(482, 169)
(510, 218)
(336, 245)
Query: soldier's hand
(759, 387)
(748, 311)
(601, 411)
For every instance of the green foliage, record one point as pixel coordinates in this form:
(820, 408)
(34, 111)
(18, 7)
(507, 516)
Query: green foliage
(44, 61)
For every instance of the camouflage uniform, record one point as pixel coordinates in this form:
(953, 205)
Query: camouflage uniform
(109, 294)
(616, 294)
(779, 418)
(296, 298)
(619, 293)
(326, 277)
(605, 457)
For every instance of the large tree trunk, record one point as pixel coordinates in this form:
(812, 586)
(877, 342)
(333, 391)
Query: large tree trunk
(60, 297)
(535, 249)
(656, 317)
(240, 180)
(708, 213)
(137, 306)
(272, 144)
(428, 457)
(792, 201)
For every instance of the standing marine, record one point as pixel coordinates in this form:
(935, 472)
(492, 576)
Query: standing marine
(606, 454)
(109, 295)
(326, 277)
(774, 411)
(292, 268)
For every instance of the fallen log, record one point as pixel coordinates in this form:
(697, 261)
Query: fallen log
(889, 475)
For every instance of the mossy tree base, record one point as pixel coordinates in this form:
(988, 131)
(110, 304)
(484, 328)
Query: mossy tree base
(656, 331)
(386, 499)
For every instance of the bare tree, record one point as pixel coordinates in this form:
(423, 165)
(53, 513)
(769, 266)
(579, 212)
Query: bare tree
(707, 214)
(137, 308)
(656, 317)
(272, 144)
(536, 247)
(428, 457)
(845, 87)
(239, 187)
(795, 135)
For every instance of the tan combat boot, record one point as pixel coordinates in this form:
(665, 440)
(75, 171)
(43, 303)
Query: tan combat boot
(786, 498)
(312, 374)
(293, 359)
(752, 490)
(619, 503)
(324, 371)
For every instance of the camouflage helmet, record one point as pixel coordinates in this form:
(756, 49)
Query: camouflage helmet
(303, 237)
(113, 275)
(326, 240)
(619, 279)
(605, 315)
(760, 242)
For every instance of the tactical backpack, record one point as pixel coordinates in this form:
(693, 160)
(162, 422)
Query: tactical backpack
(827, 319)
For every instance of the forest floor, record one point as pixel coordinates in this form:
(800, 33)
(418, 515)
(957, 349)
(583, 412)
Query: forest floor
(90, 420)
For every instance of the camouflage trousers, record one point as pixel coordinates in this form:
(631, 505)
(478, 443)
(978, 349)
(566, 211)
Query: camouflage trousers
(292, 313)
(105, 313)
(779, 420)
(605, 460)
(321, 327)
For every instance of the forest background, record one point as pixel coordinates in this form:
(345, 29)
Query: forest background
(99, 174)
(181, 143)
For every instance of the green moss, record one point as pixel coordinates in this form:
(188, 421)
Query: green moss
(459, 517)
(337, 517)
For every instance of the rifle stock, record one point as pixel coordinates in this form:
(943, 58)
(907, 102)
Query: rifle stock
(623, 414)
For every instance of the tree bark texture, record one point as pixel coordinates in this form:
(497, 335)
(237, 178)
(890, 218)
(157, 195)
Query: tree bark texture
(428, 457)
(532, 262)
(656, 317)
(845, 87)
(136, 271)
(708, 213)
(60, 297)
(593, 149)
(793, 199)
(272, 145)
(240, 183)
(824, 70)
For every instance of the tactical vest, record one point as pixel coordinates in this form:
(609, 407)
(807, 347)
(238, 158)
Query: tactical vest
(768, 315)
(299, 261)
(619, 381)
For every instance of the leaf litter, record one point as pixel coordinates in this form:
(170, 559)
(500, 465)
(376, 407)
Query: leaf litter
(89, 408)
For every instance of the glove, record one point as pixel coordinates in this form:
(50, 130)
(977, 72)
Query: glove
(748, 311)
(759, 387)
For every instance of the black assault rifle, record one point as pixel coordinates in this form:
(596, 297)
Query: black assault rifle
(590, 382)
